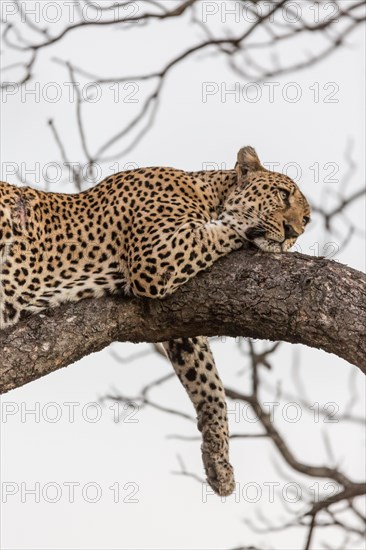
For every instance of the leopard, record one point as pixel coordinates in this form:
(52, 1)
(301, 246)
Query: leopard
(146, 232)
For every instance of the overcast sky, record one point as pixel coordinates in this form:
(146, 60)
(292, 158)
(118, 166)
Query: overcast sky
(132, 461)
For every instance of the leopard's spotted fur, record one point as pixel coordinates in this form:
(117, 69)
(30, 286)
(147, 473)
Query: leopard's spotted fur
(146, 232)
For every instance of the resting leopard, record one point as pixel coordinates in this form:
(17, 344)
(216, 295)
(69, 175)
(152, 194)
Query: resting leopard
(145, 232)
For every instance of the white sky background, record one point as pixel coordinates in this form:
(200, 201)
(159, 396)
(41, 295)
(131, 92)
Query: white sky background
(171, 511)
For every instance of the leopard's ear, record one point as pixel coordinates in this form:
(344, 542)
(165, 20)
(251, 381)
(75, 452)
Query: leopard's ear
(248, 161)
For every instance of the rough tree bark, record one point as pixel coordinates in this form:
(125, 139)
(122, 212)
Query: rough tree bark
(290, 297)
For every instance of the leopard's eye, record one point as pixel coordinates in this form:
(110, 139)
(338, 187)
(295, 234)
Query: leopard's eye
(284, 194)
(306, 220)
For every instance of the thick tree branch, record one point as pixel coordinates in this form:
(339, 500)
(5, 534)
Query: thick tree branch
(290, 297)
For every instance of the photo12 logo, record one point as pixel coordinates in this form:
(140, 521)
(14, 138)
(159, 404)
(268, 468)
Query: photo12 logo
(273, 492)
(250, 12)
(270, 92)
(67, 11)
(68, 411)
(291, 412)
(54, 172)
(53, 92)
(51, 492)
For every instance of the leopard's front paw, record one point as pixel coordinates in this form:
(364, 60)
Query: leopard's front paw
(267, 245)
(219, 472)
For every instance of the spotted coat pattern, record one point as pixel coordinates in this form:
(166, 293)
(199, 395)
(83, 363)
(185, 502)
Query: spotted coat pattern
(146, 232)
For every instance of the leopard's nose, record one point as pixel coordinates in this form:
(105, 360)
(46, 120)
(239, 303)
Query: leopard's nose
(290, 231)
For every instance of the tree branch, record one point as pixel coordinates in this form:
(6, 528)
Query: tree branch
(290, 297)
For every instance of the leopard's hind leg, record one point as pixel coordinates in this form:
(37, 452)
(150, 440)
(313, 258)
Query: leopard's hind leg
(194, 364)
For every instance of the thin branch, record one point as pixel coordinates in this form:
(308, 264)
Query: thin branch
(310, 532)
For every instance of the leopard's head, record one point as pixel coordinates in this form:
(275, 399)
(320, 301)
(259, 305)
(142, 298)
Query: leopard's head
(266, 208)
